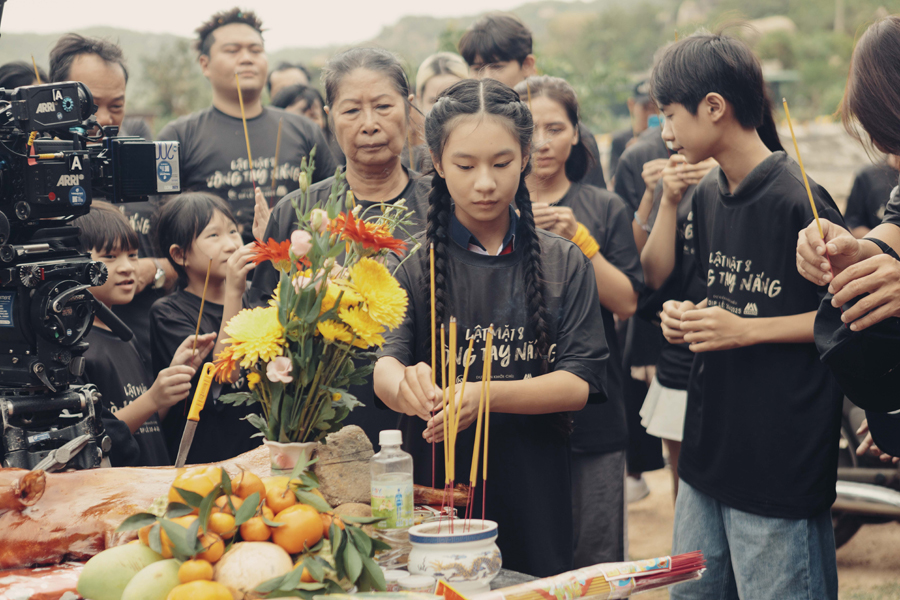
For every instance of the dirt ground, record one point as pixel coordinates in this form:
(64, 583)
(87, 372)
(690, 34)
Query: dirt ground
(868, 565)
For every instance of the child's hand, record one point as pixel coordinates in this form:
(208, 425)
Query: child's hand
(416, 395)
(868, 445)
(820, 260)
(652, 171)
(709, 329)
(205, 344)
(468, 412)
(239, 265)
(557, 219)
(261, 212)
(172, 385)
(670, 317)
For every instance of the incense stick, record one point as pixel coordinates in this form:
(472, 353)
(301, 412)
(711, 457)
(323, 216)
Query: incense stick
(489, 360)
(812, 203)
(444, 409)
(462, 390)
(200, 315)
(451, 384)
(433, 357)
(473, 472)
(37, 75)
(237, 80)
(277, 152)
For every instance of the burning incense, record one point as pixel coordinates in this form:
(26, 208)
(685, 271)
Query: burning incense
(237, 80)
(277, 152)
(200, 316)
(433, 356)
(473, 472)
(489, 360)
(812, 202)
(37, 75)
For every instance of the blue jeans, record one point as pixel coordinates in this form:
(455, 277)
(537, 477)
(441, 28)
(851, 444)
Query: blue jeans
(752, 557)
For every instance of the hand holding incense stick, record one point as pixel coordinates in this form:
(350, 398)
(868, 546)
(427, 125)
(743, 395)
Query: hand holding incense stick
(237, 80)
(812, 202)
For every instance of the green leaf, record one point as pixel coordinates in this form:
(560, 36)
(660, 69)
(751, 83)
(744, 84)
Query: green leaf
(178, 535)
(226, 483)
(315, 569)
(379, 545)
(155, 539)
(375, 574)
(192, 499)
(206, 506)
(270, 585)
(293, 578)
(313, 500)
(177, 509)
(361, 540)
(192, 532)
(237, 398)
(137, 521)
(247, 509)
(257, 421)
(270, 523)
(352, 562)
(361, 520)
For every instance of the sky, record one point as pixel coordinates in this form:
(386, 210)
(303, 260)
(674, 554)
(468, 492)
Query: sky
(335, 21)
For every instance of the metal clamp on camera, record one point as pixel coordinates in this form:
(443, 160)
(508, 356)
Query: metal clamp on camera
(51, 166)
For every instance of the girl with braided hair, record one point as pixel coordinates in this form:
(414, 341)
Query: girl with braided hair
(493, 266)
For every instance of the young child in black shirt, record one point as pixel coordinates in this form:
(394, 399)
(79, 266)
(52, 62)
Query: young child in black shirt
(199, 235)
(539, 292)
(598, 221)
(115, 366)
(758, 463)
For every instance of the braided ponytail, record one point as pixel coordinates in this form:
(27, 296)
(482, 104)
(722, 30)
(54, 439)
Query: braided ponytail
(437, 232)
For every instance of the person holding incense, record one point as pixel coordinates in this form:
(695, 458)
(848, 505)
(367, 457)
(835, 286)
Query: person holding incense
(368, 104)
(493, 266)
(499, 46)
(115, 366)
(202, 243)
(754, 494)
(598, 222)
(215, 141)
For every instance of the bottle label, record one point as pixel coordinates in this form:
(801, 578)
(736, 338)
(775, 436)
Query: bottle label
(393, 503)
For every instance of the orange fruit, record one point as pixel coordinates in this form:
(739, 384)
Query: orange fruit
(200, 480)
(185, 522)
(305, 577)
(195, 570)
(144, 534)
(301, 527)
(246, 484)
(200, 590)
(268, 512)
(255, 530)
(213, 546)
(222, 504)
(222, 524)
(279, 499)
(327, 519)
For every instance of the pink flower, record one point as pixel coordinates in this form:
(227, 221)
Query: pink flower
(279, 370)
(301, 242)
(318, 218)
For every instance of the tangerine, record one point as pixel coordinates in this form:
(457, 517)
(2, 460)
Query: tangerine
(221, 523)
(255, 530)
(186, 522)
(144, 534)
(200, 480)
(268, 512)
(327, 519)
(195, 570)
(301, 527)
(213, 547)
(200, 590)
(223, 506)
(246, 483)
(279, 499)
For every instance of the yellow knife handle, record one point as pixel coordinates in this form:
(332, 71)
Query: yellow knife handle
(201, 392)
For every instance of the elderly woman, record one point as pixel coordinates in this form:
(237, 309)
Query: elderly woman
(368, 106)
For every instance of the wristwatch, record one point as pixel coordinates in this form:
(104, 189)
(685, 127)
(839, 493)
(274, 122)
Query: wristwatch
(159, 280)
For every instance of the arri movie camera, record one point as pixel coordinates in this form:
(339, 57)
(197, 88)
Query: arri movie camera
(53, 160)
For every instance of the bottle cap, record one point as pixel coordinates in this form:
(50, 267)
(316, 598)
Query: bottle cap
(390, 437)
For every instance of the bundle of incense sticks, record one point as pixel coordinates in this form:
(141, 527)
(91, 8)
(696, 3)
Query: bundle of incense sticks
(607, 581)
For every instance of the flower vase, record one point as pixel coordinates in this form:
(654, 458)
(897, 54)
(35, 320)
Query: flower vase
(284, 455)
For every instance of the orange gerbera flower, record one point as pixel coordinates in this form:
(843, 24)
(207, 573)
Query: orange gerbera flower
(225, 364)
(370, 235)
(278, 252)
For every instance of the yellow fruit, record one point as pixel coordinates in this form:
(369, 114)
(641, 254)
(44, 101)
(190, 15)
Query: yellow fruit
(279, 499)
(300, 527)
(255, 530)
(200, 590)
(144, 534)
(195, 570)
(277, 481)
(200, 480)
(221, 523)
(213, 547)
(223, 506)
(246, 484)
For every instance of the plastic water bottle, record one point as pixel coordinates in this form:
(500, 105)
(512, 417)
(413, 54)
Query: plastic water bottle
(392, 495)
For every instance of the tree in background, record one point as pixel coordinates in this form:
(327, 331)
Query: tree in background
(174, 83)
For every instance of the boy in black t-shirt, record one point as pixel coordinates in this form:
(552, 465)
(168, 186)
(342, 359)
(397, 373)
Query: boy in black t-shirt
(115, 366)
(758, 464)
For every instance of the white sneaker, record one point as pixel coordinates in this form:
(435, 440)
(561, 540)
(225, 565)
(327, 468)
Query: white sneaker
(636, 489)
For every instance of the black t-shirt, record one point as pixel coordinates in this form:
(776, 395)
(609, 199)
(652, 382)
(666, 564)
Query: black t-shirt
(870, 193)
(118, 371)
(619, 142)
(221, 432)
(762, 424)
(370, 417)
(673, 367)
(630, 185)
(214, 156)
(594, 175)
(529, 470)
(601, 428)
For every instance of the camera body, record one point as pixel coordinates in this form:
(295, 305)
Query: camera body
(51, 168)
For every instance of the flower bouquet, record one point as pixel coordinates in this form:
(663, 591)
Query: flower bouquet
(333, 303)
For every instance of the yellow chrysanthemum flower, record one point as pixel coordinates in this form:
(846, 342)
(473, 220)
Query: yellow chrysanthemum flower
(364, 326)
(276, 296)
(256, 334)
(334, 331)
(384, 299)
(350, 298)
(253, 379)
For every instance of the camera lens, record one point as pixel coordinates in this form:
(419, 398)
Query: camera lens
(85, 101)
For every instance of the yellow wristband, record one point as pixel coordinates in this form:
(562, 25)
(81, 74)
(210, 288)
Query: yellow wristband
(585, 241)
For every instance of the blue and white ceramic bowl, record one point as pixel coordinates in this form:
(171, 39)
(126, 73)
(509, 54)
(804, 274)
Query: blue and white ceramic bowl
(461, 552)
